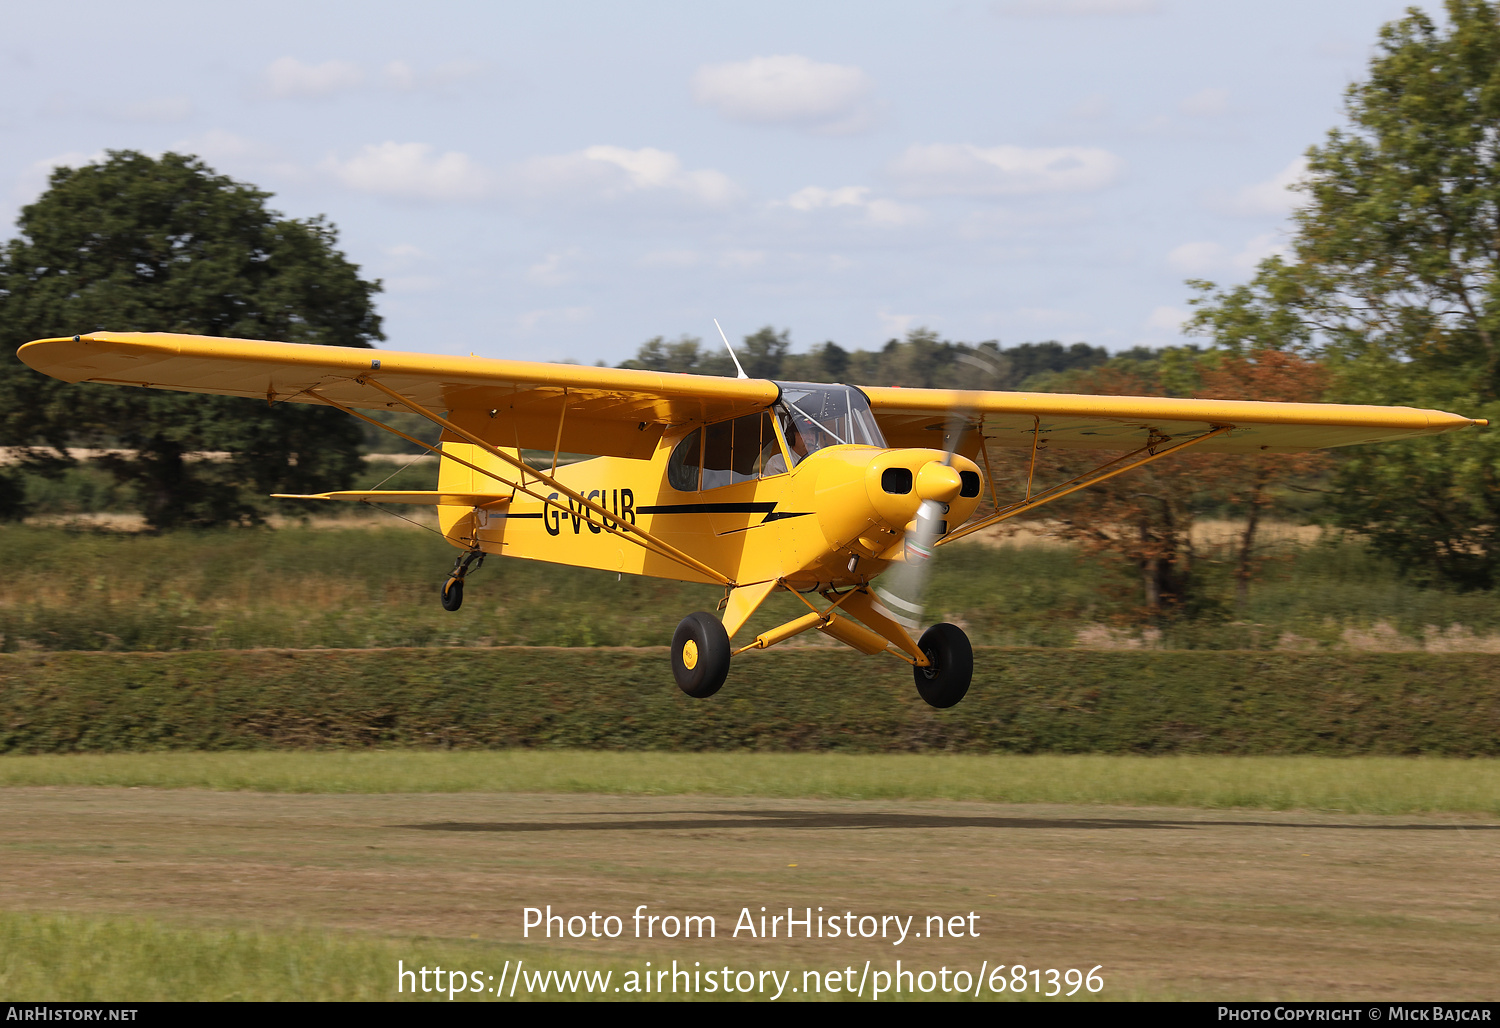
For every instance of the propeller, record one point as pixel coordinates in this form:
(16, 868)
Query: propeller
(903, 589)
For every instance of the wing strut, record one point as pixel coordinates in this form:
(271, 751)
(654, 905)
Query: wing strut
(609, 522)
(1108, 470)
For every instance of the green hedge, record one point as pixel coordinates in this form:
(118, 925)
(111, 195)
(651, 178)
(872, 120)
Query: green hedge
(1022, 701)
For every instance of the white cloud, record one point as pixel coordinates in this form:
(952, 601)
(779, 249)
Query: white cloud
(33, 181)
(402, 76)
(1274, 196)
(894, 325)
(236, 154)
(405, 252)
(814, 197)
(1074, 8)
(551, 270)
(612, 172)
(787, 89)
(876, 210)
(965, 170)
(567, 315)
(411, 170)
(1206, 103)
(288, 78)
(1203, 258)
(1168, 319)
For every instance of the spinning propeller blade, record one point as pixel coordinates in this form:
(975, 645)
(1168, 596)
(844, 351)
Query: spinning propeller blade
(903, 589)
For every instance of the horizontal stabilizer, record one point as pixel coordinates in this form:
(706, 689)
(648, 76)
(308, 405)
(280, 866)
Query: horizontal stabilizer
(428, 497)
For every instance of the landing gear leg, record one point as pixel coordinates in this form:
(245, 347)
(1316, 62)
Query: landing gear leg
(700, 655)
(946, 680)
(453, 585)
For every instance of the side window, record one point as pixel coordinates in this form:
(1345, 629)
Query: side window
(751, 436)
(772, 454)
(737, 451)
(718, 454)
(682, 466)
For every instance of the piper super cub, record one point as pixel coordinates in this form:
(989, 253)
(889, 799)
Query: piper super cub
(749, 484)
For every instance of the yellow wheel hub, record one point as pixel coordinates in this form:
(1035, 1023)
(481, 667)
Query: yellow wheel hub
(690, 654)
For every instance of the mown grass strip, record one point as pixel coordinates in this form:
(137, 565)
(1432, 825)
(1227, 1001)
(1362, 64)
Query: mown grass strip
(68, 958)
(1369, 785)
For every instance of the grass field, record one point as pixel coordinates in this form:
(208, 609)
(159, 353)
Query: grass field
(140, 893)
(1364, 785)
(366, 587)
(309, 875)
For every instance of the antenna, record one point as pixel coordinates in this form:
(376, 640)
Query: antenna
(731, 350)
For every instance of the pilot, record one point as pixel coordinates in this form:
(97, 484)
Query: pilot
(776, 463)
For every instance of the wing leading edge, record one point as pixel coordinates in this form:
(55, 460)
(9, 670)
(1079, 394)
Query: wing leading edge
(610, 411)
(621, 412)
(917, 417)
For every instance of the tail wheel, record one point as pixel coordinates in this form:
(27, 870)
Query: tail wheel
(700, 655)
(453, 585)
(453, 593)
(946, 681)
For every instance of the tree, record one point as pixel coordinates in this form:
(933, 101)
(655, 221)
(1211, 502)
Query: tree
(764, 352)
(1144, 519)
(166, 245)
(1247, 481)
(1394, 279)
(685, 356)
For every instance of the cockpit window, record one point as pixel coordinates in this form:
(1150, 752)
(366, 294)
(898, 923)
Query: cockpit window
(813, 416)
(736, 451)
(682, 466)
(810, 416)
(725, 453)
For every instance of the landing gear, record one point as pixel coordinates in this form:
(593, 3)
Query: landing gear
(453, 594)
(946, 681)
(700, 655)
(453, 585)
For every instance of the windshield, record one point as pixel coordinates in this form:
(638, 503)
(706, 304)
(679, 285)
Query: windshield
(813, 416)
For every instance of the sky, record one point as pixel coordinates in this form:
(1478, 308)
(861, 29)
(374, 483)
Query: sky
(564, 181)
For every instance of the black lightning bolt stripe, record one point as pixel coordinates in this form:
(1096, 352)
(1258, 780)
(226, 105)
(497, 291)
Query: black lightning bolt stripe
(708, 508)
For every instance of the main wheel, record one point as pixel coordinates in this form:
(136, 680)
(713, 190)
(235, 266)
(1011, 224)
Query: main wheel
(945, 682)
(453, 593)
(700, 655)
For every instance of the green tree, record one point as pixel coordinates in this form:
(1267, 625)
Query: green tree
(1392, 278)
(764, 352)
(166, 245)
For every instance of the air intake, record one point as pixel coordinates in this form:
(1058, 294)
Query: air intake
(897, 481)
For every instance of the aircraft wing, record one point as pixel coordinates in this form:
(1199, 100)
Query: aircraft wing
(610, 411)
(917, 417)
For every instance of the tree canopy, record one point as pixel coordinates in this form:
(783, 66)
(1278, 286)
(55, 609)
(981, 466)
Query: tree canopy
(922, 359)
(135, 243)
(1393, 280)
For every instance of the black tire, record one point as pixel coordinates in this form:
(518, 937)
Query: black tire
(700, 668)
(947, 680)
(453, 593)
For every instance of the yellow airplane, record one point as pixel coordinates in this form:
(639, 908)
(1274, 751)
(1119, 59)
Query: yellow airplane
(749, 484)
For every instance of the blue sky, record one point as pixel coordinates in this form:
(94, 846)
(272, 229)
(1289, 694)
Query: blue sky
(566, 180)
